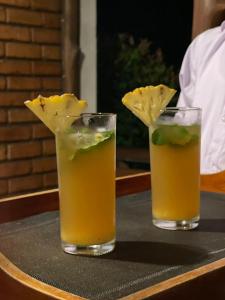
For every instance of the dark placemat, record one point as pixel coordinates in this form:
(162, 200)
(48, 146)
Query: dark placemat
(144, 255)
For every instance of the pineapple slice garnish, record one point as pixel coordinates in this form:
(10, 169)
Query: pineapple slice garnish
(52, 111)
(147, 102)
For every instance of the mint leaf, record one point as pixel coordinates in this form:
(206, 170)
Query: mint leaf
(159, 136)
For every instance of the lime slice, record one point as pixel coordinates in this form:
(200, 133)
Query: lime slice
(171, 134)
(179, 135)
(86, 141)
(99, 139)
(147, 102)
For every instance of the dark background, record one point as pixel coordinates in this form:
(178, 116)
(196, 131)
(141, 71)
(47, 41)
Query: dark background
(167, 24)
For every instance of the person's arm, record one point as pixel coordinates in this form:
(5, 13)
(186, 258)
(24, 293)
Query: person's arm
(187, 77)
(196, 57)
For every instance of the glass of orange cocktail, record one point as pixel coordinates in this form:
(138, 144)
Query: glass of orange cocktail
(86, 175)
(175, 168)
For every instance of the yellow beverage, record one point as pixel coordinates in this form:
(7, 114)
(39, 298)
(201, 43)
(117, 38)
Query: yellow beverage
(175, 176)
(87, 194)
(86, 173)
(174, 153)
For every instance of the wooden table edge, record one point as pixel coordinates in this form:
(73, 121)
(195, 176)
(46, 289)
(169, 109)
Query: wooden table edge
(168, 284)
(36, 285)
(15, 274)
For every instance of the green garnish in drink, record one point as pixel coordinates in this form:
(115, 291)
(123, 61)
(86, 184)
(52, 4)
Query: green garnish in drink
(174, 135)
(99, 139)
(83, 142)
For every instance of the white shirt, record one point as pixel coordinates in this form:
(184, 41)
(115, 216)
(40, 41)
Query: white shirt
(202, 82)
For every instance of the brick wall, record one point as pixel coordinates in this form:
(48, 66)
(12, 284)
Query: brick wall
(30, 64)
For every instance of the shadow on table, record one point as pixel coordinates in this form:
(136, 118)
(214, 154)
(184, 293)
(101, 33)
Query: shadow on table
(212, 225)
(157, 253)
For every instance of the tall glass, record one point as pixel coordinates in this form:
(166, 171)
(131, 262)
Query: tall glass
(175, 168)
(86, 173)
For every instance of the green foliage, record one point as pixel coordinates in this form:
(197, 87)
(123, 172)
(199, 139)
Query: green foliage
(136, 65)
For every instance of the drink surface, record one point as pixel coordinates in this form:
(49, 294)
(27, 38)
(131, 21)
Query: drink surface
(87, 187)
(175, 160)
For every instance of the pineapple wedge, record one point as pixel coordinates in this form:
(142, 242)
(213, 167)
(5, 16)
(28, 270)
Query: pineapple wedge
(147, 102)
(52, 110)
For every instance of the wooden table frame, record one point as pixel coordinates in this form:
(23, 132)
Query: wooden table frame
(207, 281)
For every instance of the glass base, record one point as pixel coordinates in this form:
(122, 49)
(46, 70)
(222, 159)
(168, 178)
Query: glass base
(177, 225)
(92, 250)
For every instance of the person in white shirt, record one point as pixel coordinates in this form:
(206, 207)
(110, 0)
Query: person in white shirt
(202, 83)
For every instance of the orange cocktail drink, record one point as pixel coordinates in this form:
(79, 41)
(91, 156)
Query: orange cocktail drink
(86, 172)
(175, 168)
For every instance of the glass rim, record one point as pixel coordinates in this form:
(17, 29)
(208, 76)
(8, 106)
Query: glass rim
(97, 114)
(180, 108)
